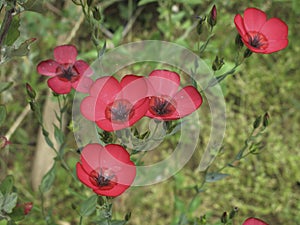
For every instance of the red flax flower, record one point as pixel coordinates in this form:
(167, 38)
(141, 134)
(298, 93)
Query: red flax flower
(166, 102)
(254, 221)
(115, 105)
(65, 71)
(107, 170)
(259, 34)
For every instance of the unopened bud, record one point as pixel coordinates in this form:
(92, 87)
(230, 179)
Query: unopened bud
(212, 18)
(257, 122)
(200, 24)
(96, 14)
(224, 218)
(30, 92)
(27, 206)
(238, 41)
(218, 63)
(247, 53)
(3, 142)
(233, 212)
(266, 120)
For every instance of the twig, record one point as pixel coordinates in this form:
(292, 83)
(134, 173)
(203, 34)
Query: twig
(131, 21)
(17, 122)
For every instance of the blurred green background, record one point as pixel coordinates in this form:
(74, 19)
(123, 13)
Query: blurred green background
(266, 185)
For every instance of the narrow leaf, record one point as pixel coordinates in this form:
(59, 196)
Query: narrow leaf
(13, 31)
(144, 2)
(59, 135)
(212, 177)
(48, 180)
(5, 85)
(2, 114)
(88, 206)
(7, 184)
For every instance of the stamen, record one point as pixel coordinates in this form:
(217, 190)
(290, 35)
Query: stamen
(119, 111)
(105, 179)
(68, 73)
(161, 106)
(257, 40)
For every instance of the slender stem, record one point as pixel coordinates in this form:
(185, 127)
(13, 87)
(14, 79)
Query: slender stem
(80, 220)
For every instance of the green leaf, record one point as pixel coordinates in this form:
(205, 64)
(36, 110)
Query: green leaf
(22, 50)
(48, 180)
(88, 206)
(8, 202)
(59, 135)
(144, 2)
(2, 114)
(34, 6)
(13, 31)
(212, 177)
(7, 184)
(5, 85)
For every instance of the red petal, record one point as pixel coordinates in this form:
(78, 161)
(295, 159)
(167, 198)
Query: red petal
(105, 88)
(239, 23)
(65, 54)
(47, 67)
(275, 29)
(254, 19)
(187, 101)
(254, 221)
(118, 152)
(83, 68)
(114, 192)
(92, 109)
(134, 88)
(275, 46)
(164, 82)
(83, 176)
(83, 85)
(59, 86)
(93, 156)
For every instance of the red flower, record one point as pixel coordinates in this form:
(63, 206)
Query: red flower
(116, 105)
(66, 72)
(259, 34)
(107, 170)
(166, 102)
(27, 206)
(254, 221)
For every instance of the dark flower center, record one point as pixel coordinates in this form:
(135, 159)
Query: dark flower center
(257, 40)
(119, 111)
(68, 73)
(161, 106)
(105, 179)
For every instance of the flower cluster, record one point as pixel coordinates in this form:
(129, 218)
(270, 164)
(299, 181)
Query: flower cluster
(114, 105)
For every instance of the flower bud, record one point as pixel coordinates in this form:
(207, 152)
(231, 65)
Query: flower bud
(3, 142)
(200, 24)
(233, 212)
(212, 18)
(257, 122)
(266, 119)
(27, 206)
(238, 41)
(224, 218)
(30, 92)
(247, 53)
(96, 14)
(218, 63)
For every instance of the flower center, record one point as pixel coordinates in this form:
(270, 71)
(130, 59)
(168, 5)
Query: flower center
(105, 179)
(161, 106)
(68, 73)
(257, 40)
(119, 111)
